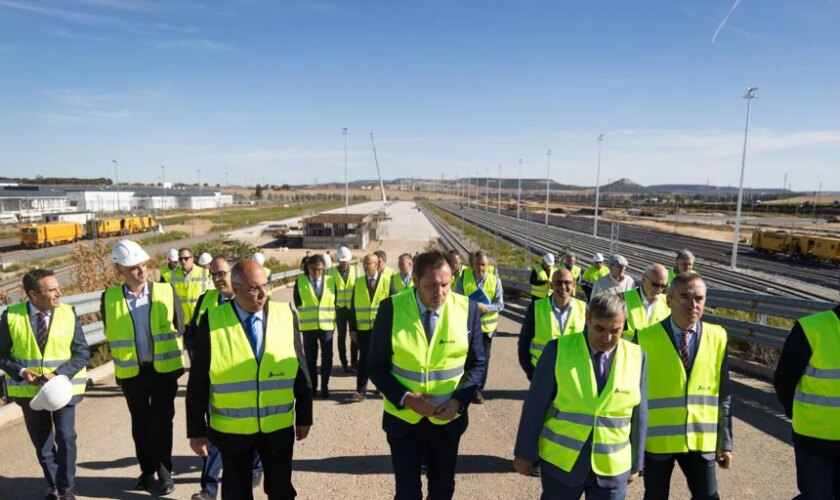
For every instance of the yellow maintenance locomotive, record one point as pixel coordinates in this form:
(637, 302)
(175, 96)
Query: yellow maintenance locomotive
(797, 246)
(57, 233)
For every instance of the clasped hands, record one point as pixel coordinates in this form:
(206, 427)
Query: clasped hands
(34, 378)
(420, 403)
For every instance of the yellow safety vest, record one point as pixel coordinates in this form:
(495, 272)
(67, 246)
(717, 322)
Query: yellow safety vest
(489, 321)
(249, 396)
(672, 273)
(457, 275)
(592, 273)
(314, 313)
(210, 300)
(547, 328)
(637, 316)
(816, 404)
(398, 283)
(166, 274)
(575, 270)
(578, 410)
(433, 369)
(190, 289)
(365, 307)
(682, 410)
(542, 291)
(119, 330)
(343, 289)
(56, 352)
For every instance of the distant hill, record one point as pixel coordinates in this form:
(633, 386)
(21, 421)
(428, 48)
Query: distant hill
(691, 189)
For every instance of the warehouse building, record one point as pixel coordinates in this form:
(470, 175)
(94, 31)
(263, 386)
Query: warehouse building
(331, 230)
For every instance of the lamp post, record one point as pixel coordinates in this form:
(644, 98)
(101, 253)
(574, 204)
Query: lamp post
(752, 93)
(499, 200)
(519, 189)
(597, 187)
(547, 185)
(487, 191)
(344, 132)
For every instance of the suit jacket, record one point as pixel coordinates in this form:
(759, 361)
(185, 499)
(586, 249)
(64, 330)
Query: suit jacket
(724, 430)
(540, 396)
(177, 317)
(353, 326)
(198, 386)
(80, 355)
(379, 368)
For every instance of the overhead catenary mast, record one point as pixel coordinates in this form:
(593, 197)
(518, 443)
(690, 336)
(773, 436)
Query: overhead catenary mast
(379, 174)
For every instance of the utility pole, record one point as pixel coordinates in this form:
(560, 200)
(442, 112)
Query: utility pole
(117, 184)
(597, 187)
(547, 185)
(163, 183)
(487, 191)
(344, 132)
(519, 190)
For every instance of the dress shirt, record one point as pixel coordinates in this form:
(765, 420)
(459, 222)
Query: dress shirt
(608, 358)
(33, 320)
(258, 324)
(405, 279)
(562, 315)
(317, 286)
(648, 305)
(676, 336)
(140, 307)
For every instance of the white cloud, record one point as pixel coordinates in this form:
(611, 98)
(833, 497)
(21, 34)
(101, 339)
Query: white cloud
(198, 45)
(65, 15)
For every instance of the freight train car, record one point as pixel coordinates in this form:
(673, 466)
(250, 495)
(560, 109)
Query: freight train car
(101, 228)
(53, 233)
(797, 246)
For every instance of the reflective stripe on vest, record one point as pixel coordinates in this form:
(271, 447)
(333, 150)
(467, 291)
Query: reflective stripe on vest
(578, 410)
(542, 291)
(682, 413)
(489, 321)
(343, 289)
(399, 284)
(246, 396)
(433, 369)
(57, 351)
(364, 307)
(816, 404)
(314, 313)
(119, 330)
(547, 328)
(637, 315)
(190, 289)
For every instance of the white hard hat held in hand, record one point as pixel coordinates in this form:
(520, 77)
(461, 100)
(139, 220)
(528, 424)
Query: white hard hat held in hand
(128, 253)
(54, 395)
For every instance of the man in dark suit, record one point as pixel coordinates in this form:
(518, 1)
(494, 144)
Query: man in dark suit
(369, 290)
(613, 409)
(689, 414)
(427, 358)
(249, 371)
(41, 339)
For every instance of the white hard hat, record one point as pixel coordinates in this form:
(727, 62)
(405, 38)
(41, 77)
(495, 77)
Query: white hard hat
(128, 253)
(172, 254)
(204, 259)
(548, 259)
(597, 258)
(54, 395)
(343, 254)
(259, 257)
(327, 261)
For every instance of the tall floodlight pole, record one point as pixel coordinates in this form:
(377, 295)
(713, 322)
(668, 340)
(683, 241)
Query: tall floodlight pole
(752, 93)
(487, 191)
(469, 196)
(519, 189)
(499, 199)
(117, 183)
(344, 132)
(547, 184)
(597, 187)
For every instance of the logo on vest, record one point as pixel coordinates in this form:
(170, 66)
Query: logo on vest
(443, 341)
(705, 388)
(626, 392)
(272, 374)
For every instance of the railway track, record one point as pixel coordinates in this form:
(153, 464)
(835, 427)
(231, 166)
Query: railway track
(821, 274)
(540, 239)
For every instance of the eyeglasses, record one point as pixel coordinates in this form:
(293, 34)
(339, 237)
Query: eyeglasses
(188, 257)
(256, 289)
(567, 284)
(654, 284)
(218, 274)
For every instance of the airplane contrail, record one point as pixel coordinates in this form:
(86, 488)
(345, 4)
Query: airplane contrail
(726, 18)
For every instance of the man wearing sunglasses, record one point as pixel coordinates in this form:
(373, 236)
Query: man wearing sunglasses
(646, 305)
(189, 282)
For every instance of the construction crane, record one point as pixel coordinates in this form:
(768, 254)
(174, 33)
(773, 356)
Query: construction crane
(379, 174)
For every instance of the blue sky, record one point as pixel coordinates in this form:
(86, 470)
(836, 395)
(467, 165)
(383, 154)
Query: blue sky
(449, 88)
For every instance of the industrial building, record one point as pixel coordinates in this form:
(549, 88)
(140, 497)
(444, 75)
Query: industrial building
(331, 230)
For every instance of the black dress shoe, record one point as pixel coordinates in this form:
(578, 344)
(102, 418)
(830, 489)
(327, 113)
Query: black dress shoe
(144, 482)
(52, 494)
(325, 393)
(167, 486)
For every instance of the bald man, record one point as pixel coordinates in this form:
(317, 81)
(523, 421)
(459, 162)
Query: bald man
(646, 304)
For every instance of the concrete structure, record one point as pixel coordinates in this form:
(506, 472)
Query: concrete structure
(101, 201)
(331, 230)
(29, 203)
(171, 199)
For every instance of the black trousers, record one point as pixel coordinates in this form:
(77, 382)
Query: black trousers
(342, 321)
(817, 476)
(488, 343)
(363, 341)
(54, 435)
(151, 401)
(275, 450)
(312, 339)
(436, 446)
(700, 473)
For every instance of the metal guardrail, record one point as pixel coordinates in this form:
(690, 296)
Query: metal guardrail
(763, 305)
(87, 303)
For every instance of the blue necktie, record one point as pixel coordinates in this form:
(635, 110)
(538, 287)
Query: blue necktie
(251, 332)
(427, 326)
(600, 370)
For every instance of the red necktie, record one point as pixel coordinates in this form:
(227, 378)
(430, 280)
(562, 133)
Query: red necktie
(43, 331)
(371, 286)
(685, 354)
